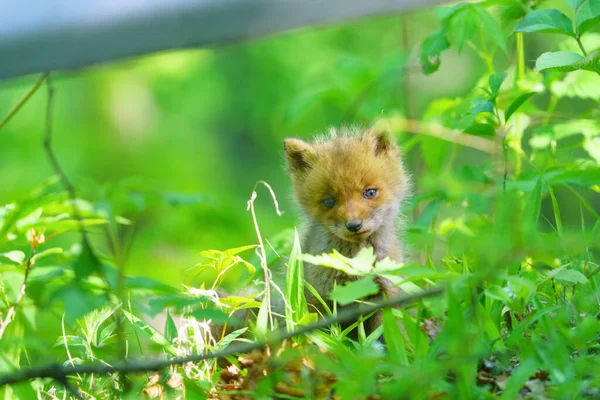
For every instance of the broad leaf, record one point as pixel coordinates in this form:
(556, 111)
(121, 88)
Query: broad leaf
(16, 256)
(588, 15)
(431, 49)
(546, 21)
(571, 276)
(514, 106)
(354, 290)
(492, 27)
(557, 61)
(566, 61)
(463, 25)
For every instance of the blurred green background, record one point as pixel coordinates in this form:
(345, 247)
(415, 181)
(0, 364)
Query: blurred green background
(199, 128)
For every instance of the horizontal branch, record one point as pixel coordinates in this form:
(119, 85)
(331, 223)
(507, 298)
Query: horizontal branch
(396, 124)
(60, 372)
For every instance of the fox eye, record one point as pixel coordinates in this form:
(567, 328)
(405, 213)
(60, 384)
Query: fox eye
(328, 201)
(369, 193)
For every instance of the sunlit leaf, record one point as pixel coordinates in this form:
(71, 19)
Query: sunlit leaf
(432, 47)
(514, 106)
(393, 338)
(546, 21)
(354, 290)
(588, 15)
(16, 256)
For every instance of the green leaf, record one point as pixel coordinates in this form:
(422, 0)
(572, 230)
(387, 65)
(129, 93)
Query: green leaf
(16, 256)
(295, 286)
(78, 302)
(354, 290)
(531, 213)
(152, 333)
(571, 276)
(574, 3)
(492, 27)
(86, 263)
(518, 378)
(463, 25)
(482, 105)
(170, 328)
(546, 21)
(558, 61)
(46, 253)
(592, 146)
(213, 315)
(393, 338)
(432, 47)
(588, 15)
(495, 82)
(514, 106)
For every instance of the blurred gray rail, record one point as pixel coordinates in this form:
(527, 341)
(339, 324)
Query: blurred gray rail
(46, 35)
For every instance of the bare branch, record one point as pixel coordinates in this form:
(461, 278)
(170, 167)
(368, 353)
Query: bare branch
(24, 100)
(60, 372)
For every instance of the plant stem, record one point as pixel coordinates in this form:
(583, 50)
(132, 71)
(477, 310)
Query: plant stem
(24, 100)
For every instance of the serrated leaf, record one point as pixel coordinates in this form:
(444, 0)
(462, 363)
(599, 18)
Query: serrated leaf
(432, 47)
(16, 256)
(546, 21)
(557, 61)
(492, 28)
(463, 25)
(571, 276)
(566, 61)
(580, 84)
(588, 15)
(514, 106)
(354, 290)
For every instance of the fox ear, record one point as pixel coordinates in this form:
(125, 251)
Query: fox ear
(382, 141)
(298, 153)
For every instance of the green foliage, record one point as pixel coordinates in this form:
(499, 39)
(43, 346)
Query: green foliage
(512, 232)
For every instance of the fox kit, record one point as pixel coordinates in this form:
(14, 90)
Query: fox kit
(349, 186)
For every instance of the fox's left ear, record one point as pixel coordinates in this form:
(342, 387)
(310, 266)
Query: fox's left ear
(382, 141)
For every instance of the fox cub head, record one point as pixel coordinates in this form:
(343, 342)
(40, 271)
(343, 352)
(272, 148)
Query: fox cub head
(351, 183)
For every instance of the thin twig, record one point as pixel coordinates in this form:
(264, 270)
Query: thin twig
(440, 132)
(10, 314)
(24, 100)
(59, 372)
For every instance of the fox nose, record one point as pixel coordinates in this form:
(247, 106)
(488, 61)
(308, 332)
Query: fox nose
(354, 226)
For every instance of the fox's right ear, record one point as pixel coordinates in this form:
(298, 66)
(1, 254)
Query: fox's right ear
(298, 154)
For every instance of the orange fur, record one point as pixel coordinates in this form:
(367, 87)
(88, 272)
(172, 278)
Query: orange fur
(343, 166)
